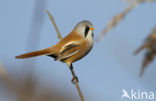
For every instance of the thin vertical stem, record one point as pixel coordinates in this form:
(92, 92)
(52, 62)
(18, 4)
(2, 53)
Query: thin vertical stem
(76, 83)
(53, 21)
(60, 37)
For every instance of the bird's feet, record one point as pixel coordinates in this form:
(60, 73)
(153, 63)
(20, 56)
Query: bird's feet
(74, 78)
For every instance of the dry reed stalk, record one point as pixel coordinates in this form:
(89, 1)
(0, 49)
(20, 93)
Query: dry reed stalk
(60, 37)
(150, 46)
(140, 1)
(53, 21)
(3, 73)
(118, 18)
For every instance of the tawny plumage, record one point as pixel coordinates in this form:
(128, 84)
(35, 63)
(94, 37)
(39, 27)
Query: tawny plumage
(71, 48)
(33, 54)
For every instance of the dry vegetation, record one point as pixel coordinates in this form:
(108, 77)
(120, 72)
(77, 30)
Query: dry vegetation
(150, 43)
(27, 91)
(150, 46)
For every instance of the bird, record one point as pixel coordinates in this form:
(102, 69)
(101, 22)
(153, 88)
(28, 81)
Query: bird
(73, 47)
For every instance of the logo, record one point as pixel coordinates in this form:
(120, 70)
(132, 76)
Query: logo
(140, 95)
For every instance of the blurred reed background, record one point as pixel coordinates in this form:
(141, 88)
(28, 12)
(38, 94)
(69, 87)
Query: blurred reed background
(25, 87)
(22, 82)
(150, 42)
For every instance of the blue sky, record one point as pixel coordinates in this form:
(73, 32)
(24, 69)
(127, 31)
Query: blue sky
(106, 70)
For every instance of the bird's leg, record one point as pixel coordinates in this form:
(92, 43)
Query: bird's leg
(73, 74)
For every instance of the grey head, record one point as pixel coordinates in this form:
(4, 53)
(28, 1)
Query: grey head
(85, 28)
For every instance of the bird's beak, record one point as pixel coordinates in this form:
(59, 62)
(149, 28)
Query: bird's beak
(91, 28)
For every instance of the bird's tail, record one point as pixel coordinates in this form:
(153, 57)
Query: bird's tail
(35, 53)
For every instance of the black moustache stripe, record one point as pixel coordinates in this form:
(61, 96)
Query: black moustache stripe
(86, 30)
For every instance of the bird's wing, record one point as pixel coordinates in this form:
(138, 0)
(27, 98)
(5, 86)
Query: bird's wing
(68, 50)
(67, 55)
(69, 46)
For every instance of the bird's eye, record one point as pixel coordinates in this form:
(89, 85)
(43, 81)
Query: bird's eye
(86, 30)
